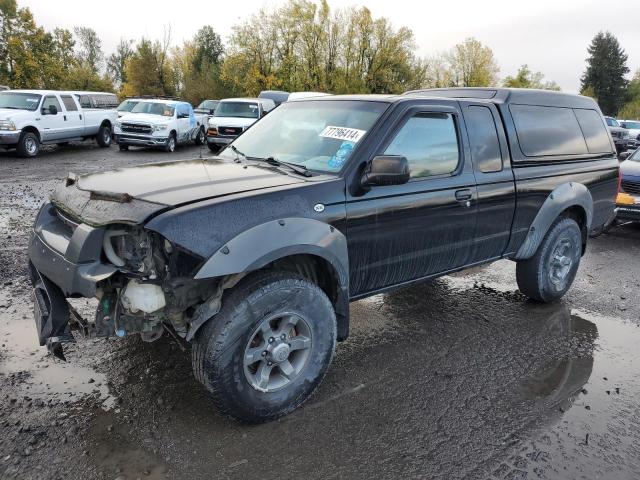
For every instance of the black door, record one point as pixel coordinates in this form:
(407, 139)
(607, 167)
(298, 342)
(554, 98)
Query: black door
(496, 187)
(401, 233)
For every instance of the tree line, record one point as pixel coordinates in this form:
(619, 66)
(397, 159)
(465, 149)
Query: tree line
(301, 45)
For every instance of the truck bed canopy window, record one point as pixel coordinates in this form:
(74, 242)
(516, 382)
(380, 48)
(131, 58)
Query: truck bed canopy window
(485, 146)
(430, 143)
(544, 131)
(594, 131)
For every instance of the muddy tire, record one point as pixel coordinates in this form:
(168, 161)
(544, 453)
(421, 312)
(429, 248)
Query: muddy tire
(103, 139)
(28, 145)
(268, 348)
(548, 275)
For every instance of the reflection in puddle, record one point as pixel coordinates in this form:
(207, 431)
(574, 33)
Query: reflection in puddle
(41, 376)
(558, 382)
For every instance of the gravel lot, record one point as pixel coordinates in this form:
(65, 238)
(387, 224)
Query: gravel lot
(459, 378)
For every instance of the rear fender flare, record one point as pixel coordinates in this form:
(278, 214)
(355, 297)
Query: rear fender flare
(565, 196)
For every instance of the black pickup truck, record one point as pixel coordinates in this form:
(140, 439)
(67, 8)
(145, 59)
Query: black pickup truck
(254, 255)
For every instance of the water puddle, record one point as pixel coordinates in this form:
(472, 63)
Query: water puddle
(591, 401)
(39, 375)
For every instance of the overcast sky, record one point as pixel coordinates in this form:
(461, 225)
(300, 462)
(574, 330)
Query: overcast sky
(549, 35)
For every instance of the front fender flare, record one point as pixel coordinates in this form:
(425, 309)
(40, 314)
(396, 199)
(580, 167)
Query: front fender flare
(265, 243)
(565, 196)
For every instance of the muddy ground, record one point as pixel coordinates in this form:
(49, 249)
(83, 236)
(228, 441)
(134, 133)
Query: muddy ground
(460, 378)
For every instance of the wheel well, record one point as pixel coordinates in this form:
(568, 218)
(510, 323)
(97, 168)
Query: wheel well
(578, 214)
(319, 271)
(32, 130)
(105, 122)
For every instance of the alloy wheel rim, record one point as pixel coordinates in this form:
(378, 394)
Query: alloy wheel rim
(172, 144)
(30, 145)
(106, 136)
(277, 352)
(561, 263)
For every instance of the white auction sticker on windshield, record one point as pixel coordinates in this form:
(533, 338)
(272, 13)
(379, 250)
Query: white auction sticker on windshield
(343, 133)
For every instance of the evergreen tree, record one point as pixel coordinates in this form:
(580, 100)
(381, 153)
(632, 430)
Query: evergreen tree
(605, 74)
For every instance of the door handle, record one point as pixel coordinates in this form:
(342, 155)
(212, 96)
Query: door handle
(65, 118)
(462, 195)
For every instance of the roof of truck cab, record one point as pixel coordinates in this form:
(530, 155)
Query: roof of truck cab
(527, 96)
(50, 92)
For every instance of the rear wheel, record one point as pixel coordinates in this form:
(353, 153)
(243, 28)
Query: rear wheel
(267, 350)
(548, 275)
(104, 136)
(28, 144)
(200, 137)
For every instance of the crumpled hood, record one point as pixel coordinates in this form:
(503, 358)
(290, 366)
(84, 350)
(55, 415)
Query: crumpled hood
(133, 194)
(146, 118)
(232, 121)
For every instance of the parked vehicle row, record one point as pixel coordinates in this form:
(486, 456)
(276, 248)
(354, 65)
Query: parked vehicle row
(31, 118)
(254, 255)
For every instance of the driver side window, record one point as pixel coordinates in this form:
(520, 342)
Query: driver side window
(49, 101)
(429, 142)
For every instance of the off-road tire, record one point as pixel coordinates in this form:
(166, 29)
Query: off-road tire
(28, 145)
(219, 347)
(103, 139)
(200, 137)
(534, 274)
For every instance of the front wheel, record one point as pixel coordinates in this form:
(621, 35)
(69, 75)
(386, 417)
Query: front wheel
(170, 146)
(200, 137)
(547, 275)
(28, 145)
(104, 136)
(269, 347)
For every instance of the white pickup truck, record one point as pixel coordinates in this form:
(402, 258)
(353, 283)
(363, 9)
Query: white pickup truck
(30, 118)
(160, 124)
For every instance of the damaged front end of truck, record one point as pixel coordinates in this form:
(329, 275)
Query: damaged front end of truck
(144, 284)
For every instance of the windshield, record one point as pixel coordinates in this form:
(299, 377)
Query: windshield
(612, 122)
(154, 109)
(631, 125)
(127, 105)
(635, 156)
(208, 104)
(19, 101)
(236, 109)
(319, 135)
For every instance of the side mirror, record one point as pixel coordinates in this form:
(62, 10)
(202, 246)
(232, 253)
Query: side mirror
(624, 155)
(386, 170)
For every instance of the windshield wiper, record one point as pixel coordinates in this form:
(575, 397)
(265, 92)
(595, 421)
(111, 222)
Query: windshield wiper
(238, 153)
(299, 169)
